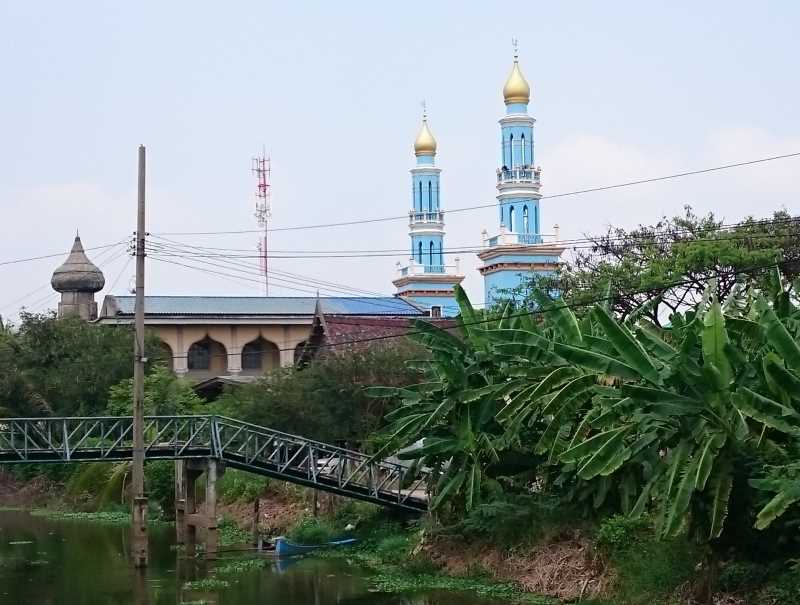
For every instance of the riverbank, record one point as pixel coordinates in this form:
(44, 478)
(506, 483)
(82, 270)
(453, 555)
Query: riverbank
(617, 562)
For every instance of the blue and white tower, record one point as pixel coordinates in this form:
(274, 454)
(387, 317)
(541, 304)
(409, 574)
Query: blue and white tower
(427, 280)
(518, 249)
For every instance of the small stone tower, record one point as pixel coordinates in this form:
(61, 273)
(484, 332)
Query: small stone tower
(77, 280)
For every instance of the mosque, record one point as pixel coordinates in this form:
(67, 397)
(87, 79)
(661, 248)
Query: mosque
(515, 251)
(235, 337)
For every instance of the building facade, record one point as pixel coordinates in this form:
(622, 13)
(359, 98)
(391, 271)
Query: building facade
(428, 279)
(210, 336)
(518, 249)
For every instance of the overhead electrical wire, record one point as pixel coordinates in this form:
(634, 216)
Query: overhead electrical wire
(631, 183)
(534, 312)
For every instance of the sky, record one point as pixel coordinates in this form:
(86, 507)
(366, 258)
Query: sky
(332, 90)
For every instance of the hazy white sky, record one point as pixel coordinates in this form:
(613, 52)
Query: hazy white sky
(621, 90)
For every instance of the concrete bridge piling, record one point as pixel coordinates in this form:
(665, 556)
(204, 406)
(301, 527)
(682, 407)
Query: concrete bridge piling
(189, 516)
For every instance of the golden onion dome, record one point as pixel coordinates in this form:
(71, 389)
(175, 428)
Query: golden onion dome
(425, 144)
(517, 89)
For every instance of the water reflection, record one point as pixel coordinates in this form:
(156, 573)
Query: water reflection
(78, 563)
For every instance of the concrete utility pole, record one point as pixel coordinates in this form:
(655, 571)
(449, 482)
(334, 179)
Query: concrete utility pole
(139, 512)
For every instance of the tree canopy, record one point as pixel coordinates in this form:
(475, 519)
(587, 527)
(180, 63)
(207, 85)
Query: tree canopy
(670, 262)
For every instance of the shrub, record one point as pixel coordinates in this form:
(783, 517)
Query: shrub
(741, 575)
(393, 549)
(241, 486)
(311, 531)
(515, 519)
(618, 533)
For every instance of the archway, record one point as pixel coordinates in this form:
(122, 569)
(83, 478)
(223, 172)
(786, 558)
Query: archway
(167, 356)
(207, 357)
(260, 356)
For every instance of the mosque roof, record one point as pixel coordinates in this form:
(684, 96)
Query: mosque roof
(78, 273)
(218, 306)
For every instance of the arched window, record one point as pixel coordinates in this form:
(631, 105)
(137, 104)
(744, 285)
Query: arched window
(441, 254)
(431, 248)
(522, 147)
(419, 247)
(511, 219)
(420, 196)
(525, 225)
(536, 219)
(260, 355)
(511, 151)
(199, 356)
(430, 197)
(207, 355)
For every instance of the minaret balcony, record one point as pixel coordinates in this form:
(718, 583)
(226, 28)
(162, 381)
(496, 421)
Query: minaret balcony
(415, 269)
(509, 238)
(519, 174)
(417, 217)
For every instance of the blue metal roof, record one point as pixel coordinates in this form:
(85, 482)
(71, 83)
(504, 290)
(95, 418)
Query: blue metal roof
(264, 305)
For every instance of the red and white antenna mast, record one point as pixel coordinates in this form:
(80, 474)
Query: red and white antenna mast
(261, 168)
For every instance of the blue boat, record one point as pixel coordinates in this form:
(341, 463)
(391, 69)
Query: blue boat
(284, 548)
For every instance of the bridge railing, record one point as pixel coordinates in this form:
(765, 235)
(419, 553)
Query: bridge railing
(102, 438)
(239, 443)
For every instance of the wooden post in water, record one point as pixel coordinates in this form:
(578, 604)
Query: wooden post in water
(139, 541)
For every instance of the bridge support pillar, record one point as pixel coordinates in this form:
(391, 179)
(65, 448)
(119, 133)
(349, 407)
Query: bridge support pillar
(188, 516)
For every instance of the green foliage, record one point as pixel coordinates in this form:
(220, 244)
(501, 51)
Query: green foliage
(620, 533)
(781, 590)
(310, 530)
(230, 534)
(63, 367)
(656, 270)
(159, 478)
(738, 576)
(88, 482)
(164, 394)
(325, 400)
(628, 416)
(240, 486)
(393, 549)
(654, 568)
(516, 520)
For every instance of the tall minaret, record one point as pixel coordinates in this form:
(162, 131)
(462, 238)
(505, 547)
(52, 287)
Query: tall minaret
(519, 249)
(427, 280)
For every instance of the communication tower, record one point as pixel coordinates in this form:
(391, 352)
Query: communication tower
(261, 168)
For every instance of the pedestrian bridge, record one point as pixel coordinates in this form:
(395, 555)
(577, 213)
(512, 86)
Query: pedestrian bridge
(237, 444)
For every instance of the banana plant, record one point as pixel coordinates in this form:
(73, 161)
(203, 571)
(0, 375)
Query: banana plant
(705, 388)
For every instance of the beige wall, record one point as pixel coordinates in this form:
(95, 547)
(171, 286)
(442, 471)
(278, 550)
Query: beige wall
(227, 357)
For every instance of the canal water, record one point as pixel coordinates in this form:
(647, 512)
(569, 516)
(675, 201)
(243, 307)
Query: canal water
(67, 562)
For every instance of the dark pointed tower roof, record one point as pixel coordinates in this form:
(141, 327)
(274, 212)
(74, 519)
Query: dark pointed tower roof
(78, 273)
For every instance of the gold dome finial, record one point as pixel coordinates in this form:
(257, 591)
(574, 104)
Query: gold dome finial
(517, 89)
(425, 144)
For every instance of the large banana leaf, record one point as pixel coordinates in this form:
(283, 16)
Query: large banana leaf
(715, 339)
(559, 316)
(626, 345)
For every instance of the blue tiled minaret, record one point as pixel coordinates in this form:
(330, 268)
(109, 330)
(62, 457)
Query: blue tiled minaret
(427, 279)
(518, 249)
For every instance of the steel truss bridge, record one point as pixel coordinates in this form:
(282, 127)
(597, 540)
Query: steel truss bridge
(238, 444)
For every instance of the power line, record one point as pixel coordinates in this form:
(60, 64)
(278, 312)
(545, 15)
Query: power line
(533, 312)
(336, 289)
(572, 244)
(32, 258)
(493, 204)
(47, 285)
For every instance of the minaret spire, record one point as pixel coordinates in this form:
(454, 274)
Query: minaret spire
(518, 250)
(427, 280)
